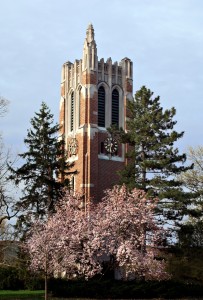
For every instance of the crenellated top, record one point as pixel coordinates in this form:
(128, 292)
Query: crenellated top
(113, 73)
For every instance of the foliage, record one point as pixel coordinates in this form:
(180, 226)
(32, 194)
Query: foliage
(193, 179)
(190, 233)
(186, 264)
(126, 231)
(153, 161)
(116, 289)
(45, 161)
(120, 229)
(15, 278)
(62, 244)
(10, 279)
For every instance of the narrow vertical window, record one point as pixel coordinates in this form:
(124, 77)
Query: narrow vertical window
(79, 105)
(115, 108)
(72, 112)
(73, 183)
(101, 107)
(102, 150)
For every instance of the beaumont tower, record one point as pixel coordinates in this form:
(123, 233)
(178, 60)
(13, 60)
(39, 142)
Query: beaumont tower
(94, 94)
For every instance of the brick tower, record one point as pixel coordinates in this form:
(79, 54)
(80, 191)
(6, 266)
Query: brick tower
(94, 96)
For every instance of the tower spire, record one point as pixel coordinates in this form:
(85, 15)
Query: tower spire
(90, 33)
(90, 50)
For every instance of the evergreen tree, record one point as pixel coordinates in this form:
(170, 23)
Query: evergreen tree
(44, 172)
(153, 162)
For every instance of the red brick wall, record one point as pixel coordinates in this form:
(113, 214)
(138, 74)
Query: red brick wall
(128, 86)
(89, 78)
(100, 173)
(108, 175)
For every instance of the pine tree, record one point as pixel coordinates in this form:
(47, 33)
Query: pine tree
(153, 162)
(45, 165)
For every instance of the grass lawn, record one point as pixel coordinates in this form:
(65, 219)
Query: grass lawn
(25, 294)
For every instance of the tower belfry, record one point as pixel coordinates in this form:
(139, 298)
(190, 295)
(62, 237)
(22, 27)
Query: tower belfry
(94, 95)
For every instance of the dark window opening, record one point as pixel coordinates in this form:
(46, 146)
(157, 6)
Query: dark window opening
(72, 183)
(79, 110)
(101, 107)
(72, 112)
(115, 108)
(102, 150)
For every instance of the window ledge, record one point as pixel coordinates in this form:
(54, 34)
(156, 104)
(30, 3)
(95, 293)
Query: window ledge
(109, 157)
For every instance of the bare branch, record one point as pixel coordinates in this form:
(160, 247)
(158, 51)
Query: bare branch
(3, 106)
(4, 205)
(6, 200)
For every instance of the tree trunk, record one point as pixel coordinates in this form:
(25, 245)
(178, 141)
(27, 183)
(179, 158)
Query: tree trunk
(45, 287)
(143, 170)
(45, 281)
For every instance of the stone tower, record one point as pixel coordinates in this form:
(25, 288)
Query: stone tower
(94, 94)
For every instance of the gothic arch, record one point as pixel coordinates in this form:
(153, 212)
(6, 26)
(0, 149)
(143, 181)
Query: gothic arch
(104, 84)
(117, 106)
(78, 105)
(103, 91)
(70, 111)
(101, 106)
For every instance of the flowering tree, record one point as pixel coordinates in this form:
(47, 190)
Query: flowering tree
(125, 230)
(121, 229)
(70, 239)
(62, 245)
(39, 247)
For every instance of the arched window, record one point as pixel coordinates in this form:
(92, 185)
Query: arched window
(79, 106)
(115, 108)
(72, 112)
(101, 107)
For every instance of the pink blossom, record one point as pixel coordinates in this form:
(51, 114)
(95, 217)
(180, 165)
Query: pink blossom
(121, 229)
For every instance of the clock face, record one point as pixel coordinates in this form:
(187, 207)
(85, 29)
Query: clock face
(111, 145)
(73, 147)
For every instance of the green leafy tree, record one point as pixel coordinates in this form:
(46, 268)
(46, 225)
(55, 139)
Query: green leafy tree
(44, 172)
(153, 161)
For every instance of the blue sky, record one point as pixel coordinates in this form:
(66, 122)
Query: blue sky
(163, 38)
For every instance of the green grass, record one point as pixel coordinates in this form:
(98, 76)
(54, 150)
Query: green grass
(24, 294)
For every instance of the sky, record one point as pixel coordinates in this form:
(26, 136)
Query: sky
(163, 38)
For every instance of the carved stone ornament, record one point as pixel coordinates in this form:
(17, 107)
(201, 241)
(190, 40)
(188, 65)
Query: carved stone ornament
(73, 147)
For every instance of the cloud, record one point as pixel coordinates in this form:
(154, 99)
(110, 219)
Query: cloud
(163, 38)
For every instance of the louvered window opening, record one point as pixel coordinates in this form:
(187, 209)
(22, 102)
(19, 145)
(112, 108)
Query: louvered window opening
(101, 107)
(72, 112)
(115, 108)
(79, 107)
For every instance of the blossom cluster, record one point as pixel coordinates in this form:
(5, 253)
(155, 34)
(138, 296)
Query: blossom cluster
(120, 229)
